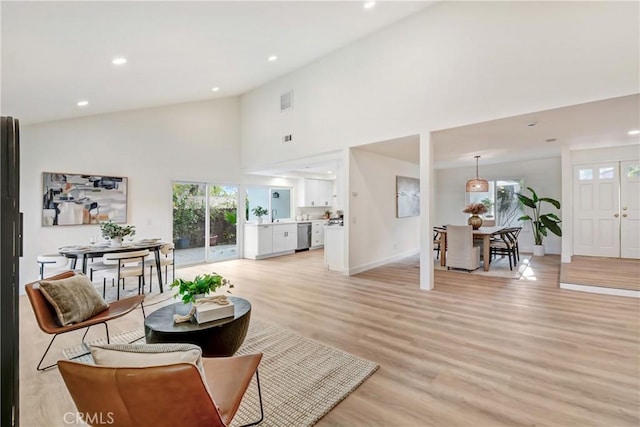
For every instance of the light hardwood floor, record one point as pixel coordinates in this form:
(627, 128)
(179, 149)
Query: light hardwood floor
(616, 273)
(475, 351)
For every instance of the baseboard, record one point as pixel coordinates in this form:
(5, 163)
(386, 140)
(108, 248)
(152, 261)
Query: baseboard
(369, 266)
(601, 290)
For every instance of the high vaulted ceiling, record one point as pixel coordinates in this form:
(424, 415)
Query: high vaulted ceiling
(55, 54)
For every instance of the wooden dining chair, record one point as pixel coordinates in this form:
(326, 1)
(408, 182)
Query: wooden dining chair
(167, 258)
(505, 243)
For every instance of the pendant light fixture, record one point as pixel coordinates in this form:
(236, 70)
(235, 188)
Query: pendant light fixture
(477, 185)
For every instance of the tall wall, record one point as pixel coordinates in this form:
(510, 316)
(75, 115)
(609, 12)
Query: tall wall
(376, 236)
(453, 64)
(544, 176)
(152, 147)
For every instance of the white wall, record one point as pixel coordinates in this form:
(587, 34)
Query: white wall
(454, 64)
(196, 141)
(376, 236)
(544, 176)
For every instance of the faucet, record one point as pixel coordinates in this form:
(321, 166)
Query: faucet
(274, 212)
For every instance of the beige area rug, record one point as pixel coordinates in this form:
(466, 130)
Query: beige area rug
(499, 268)
(301, 379)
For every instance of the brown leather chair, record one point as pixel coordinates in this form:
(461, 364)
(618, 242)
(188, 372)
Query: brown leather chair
(163, 396)
(48, 320)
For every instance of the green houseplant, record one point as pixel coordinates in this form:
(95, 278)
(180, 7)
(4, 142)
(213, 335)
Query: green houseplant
(200, 285)
(115, 232)
(259, 211)
(540, 222)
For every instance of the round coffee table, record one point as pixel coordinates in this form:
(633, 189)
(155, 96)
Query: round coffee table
(216, 339)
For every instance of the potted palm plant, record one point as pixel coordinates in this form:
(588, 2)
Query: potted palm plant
(540, 222)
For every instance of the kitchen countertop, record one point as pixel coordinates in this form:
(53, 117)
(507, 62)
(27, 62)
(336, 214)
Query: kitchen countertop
(286, 222)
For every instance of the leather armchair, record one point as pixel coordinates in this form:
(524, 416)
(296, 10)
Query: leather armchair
(166, 395)
(48, 321)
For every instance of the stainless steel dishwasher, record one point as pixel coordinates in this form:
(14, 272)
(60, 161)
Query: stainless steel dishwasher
(304, 236)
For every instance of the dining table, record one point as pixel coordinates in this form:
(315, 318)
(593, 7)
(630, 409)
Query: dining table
(483, 232)
(86, 252)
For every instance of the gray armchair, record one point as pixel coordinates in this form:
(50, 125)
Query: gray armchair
(461, 253)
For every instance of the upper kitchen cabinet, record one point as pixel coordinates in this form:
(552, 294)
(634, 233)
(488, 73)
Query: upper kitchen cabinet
(315, 193)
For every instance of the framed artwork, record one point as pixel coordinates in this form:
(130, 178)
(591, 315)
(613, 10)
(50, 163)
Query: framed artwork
(76, 199)
(407, 197)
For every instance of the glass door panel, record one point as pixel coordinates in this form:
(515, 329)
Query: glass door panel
(189, 222)
(223, 218)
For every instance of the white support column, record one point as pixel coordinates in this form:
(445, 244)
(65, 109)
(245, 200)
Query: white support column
(567, 206)
(427, 191)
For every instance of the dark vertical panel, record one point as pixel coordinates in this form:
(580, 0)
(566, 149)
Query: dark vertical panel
(9, 258)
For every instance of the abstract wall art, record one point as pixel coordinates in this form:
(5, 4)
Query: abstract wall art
(76, 199)
(407, 197)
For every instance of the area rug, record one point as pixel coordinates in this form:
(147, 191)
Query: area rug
(301, 379)
(499, 268)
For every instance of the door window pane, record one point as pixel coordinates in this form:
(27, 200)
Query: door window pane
(585, 174)
(606, 173)
(633, 171)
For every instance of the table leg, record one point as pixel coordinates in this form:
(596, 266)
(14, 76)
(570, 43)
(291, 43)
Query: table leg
(443, 249)
(74, 261)
(84, 263)
(158, 268)
(486, 241)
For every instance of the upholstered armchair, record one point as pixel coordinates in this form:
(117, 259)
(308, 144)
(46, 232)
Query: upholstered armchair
(461, 253)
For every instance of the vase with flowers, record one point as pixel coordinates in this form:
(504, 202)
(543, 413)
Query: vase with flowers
(475, 209)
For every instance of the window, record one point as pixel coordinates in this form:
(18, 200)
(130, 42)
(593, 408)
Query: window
(501, 201)
(606, 173)
(633, 171)
(585, 174)
(277, 201)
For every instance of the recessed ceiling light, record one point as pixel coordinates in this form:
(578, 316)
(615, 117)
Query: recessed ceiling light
(272, 58)
(634, 132)
(119, 61)
(328, 171)
(369, 4)
(83, 103)
(215, 89)
(532, 124)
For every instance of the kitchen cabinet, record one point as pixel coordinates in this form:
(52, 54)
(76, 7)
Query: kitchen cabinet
(258, 241)
(316, 193)
(334, 247)
(285, 237)
(317, 234)
(266, 240)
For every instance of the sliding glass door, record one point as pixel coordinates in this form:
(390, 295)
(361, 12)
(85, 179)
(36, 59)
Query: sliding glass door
(204, 222)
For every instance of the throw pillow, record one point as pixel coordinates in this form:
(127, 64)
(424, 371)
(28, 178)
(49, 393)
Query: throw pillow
(74, 298)
(143, 355)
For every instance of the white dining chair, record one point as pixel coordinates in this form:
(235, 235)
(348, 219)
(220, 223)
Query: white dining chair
(167, 258)
(125, 264)
(52, 264)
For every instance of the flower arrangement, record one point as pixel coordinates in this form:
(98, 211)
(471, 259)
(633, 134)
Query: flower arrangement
(112, 230)
(200, 285)
(475, 208)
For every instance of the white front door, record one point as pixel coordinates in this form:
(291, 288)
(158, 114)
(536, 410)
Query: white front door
(596, 209)
(630, 210)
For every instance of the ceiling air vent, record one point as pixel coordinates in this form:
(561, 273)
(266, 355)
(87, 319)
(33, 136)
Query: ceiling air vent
(286, 101)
